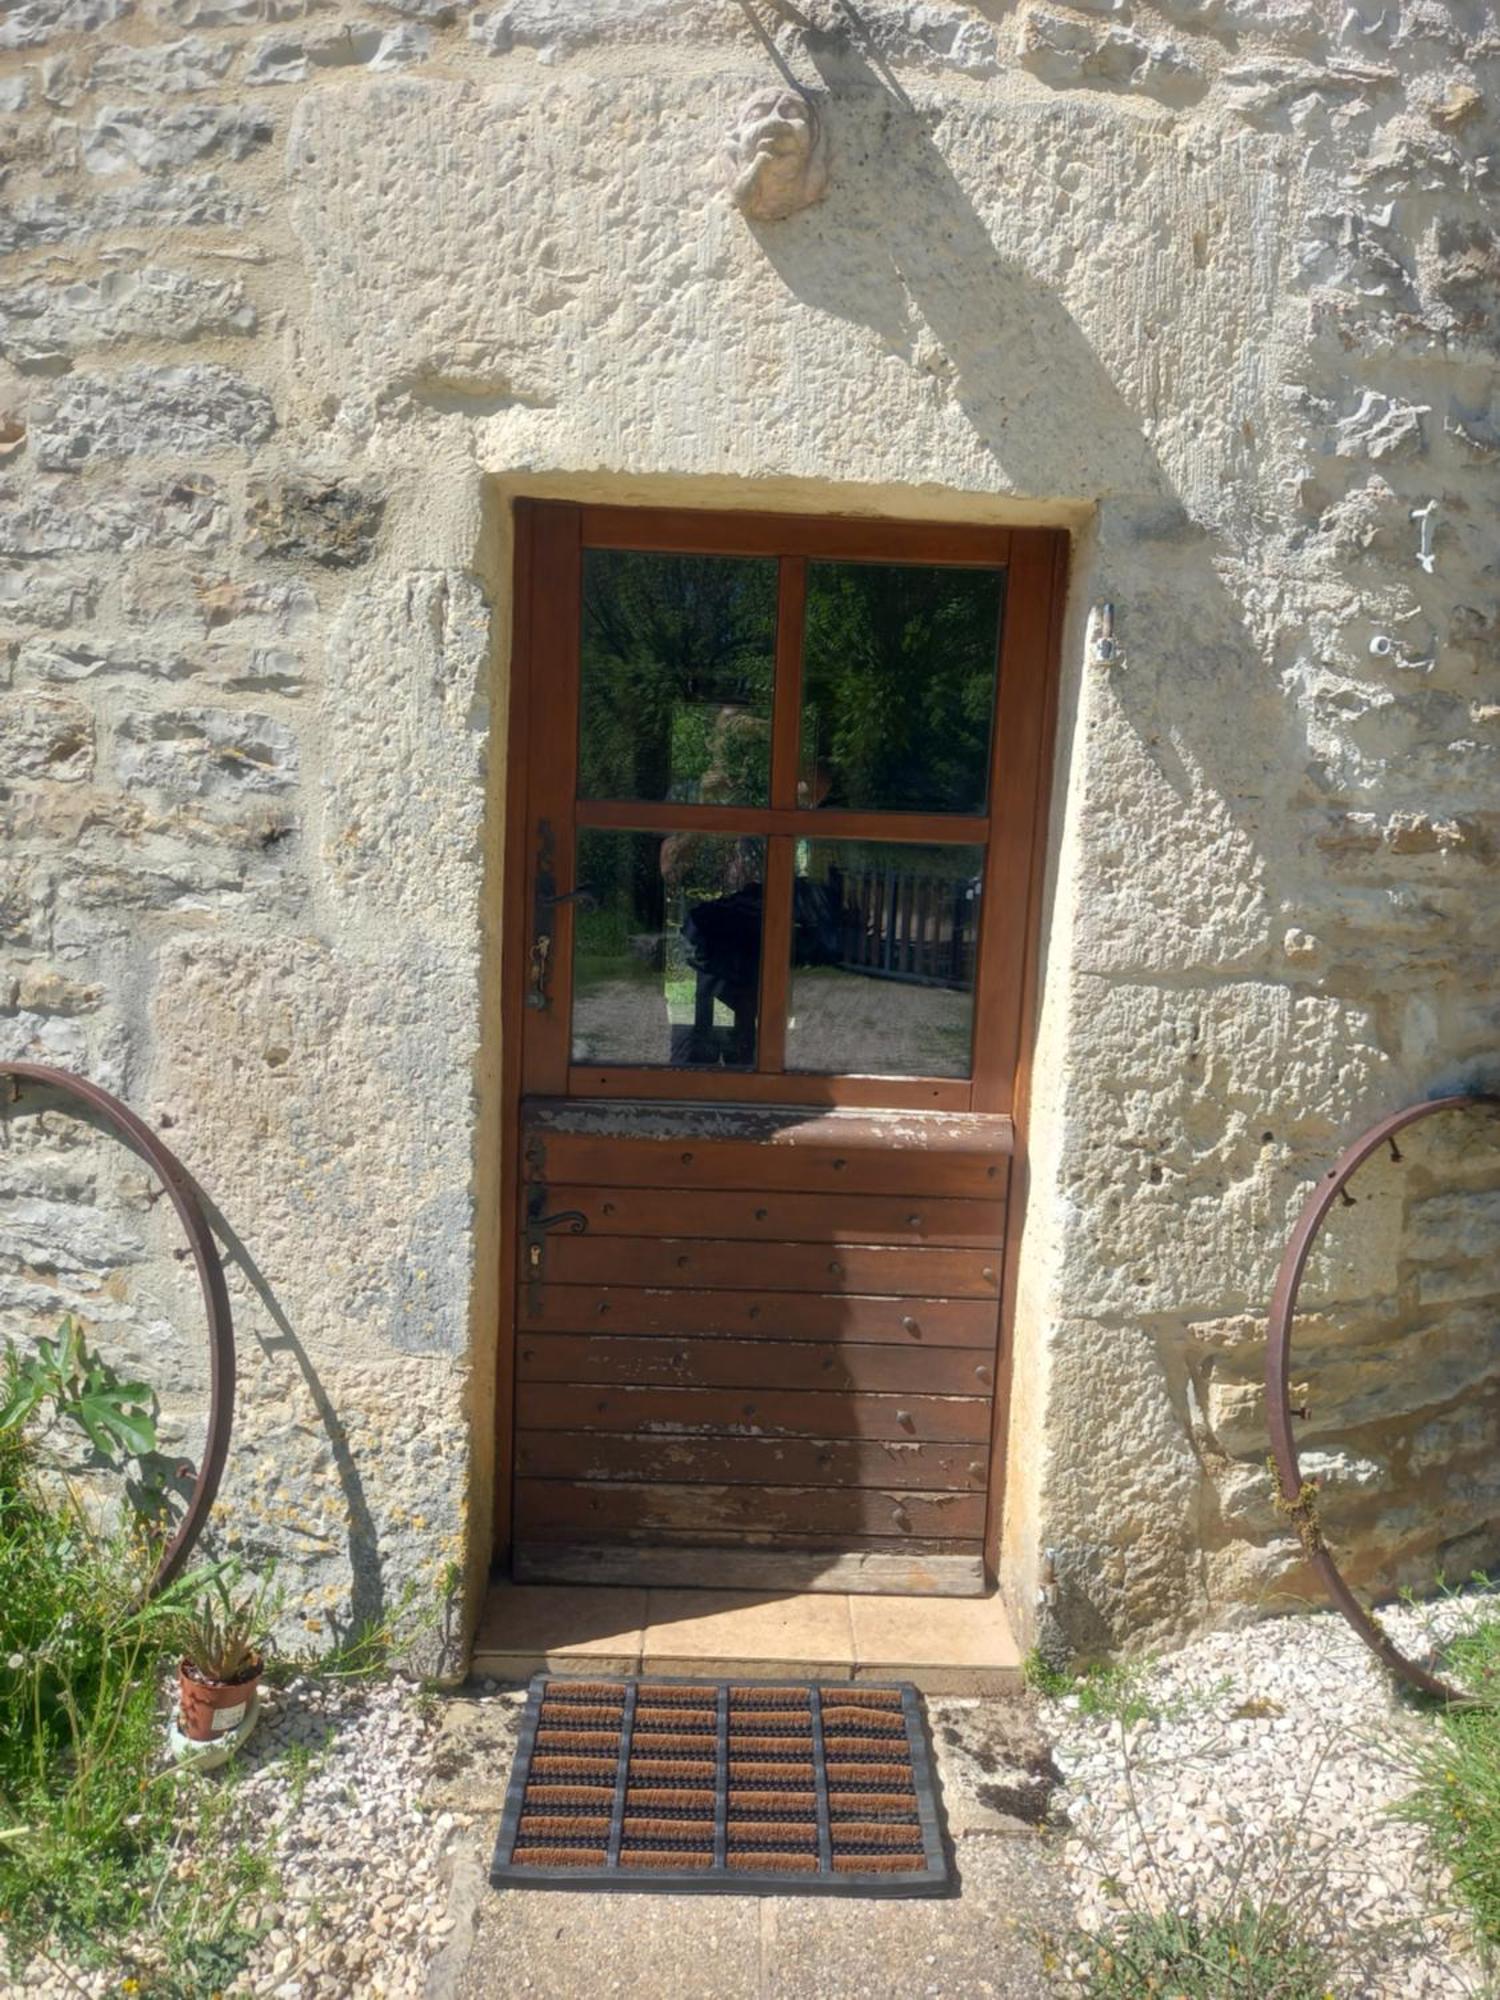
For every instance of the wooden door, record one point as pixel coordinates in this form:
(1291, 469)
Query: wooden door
(772, 845)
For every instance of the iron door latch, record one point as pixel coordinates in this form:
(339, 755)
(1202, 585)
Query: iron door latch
(573, 1219)
(545, 900)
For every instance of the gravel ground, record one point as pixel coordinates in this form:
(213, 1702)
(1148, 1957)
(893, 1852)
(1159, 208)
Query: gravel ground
(1269, 1763)
(329, 1790)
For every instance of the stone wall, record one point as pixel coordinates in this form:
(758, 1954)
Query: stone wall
(299, 295)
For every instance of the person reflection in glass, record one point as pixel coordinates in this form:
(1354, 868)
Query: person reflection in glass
(722, 938)
(721, 933)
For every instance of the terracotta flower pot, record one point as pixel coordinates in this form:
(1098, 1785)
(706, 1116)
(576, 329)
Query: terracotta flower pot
(207, 1709)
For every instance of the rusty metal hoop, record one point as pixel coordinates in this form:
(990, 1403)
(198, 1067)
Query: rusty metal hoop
(179, 1184)
(1279, 1368)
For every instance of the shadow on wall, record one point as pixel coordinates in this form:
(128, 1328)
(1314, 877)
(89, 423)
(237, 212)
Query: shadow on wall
(1221, 1072)
(111, 1252)
(1004, 347)
(367, 1600)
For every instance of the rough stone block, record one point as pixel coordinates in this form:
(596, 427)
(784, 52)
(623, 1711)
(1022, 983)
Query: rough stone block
(291, 58)
(234, 13)
(87, 659)
(191, 202)
(1358, 251)
(99, 904)
(1451, 1240)
(558, 27)
(162, 593)
(37, 21)
(47, 736)
(1124, 1459)
(1358, 1254)
(46, 598)
(1064, 51)
(309, 519)
(61, 1235)
(42, 327)
(151, 413)
(187, 514)
(1184, 1197)
(41, 1038)
(205, 752)
(1372, 521)
(404, 717)
(1346, 1389)
(166, 142)
(269, 1056)
(361, 1469)
(168, 69)
(1365, 424)
(48, 990)
(1470, 1430)
(1468, 274)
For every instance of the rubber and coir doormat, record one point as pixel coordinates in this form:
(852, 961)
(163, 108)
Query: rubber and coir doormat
(791, 1789)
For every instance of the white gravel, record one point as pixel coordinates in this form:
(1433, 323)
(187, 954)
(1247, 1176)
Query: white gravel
(329, 1790)
(1269, 1765)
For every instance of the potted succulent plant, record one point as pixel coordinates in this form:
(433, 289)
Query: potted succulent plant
(223, 1640)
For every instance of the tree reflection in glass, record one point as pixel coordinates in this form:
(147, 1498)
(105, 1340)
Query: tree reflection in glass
(899, 674)
(678, 658)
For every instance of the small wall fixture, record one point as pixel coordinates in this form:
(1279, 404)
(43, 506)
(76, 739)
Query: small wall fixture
(1102, 648)
(774, 157)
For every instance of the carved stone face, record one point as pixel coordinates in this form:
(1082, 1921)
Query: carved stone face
(774, 158)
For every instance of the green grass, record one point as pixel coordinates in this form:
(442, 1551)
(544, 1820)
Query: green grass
(1251, 1954)
(98, 1834)
(1114, 1691)
(1456, 1794)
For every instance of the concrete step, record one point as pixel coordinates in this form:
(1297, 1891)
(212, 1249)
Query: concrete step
(943, 1645)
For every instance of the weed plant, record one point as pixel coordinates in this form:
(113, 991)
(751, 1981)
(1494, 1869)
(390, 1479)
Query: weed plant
(1259, 1925)
(98, 1832)
(1456, 1782)
(1112, 1691)
(1253, 1953)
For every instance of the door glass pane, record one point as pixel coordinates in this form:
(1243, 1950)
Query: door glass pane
(678, 656)
(666, 949)
(884, 938)
(898, 696)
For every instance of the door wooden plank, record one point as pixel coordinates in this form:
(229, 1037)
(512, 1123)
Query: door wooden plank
(755, 1462)
(552, 1510)
(643, 1163)
(551, 1406)
(709, 1265)
(740, 1086)
(742, 1214)
(761, 1315)
(742, 1364)
(913, 1571)
(712, 1146)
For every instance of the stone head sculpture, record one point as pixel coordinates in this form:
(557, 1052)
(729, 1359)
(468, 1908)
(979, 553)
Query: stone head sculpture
(774, 158)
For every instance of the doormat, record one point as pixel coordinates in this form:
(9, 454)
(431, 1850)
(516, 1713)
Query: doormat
(723, 1787)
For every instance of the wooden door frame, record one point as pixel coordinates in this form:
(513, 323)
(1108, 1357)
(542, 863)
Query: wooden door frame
(1006, 992)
